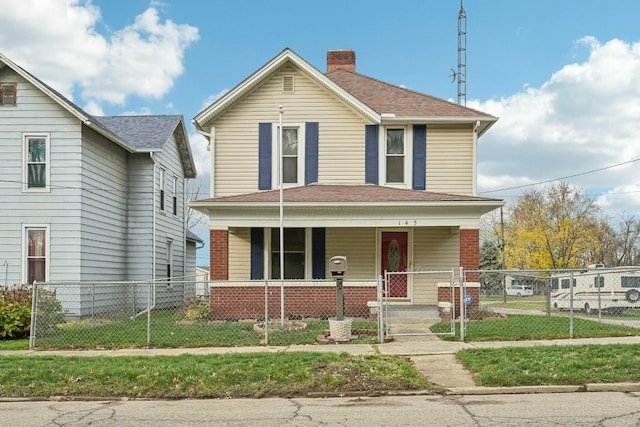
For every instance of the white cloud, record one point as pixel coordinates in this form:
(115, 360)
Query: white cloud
(57, 41)
(585, 117)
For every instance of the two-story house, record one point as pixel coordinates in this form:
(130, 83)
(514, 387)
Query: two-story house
(383, 175)
(88, 198)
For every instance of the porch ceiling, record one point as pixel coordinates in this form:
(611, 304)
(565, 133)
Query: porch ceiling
(346, 206)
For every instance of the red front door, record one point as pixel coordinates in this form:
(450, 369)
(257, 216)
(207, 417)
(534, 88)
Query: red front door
(394, 258)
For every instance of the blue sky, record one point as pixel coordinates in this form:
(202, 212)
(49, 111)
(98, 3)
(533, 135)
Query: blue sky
(562, 75)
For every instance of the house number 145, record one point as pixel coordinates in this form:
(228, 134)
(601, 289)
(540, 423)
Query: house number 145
(408, 222)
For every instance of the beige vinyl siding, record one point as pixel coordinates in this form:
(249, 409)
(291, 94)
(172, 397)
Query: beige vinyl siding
(239, 253)
(450, 159)
(434, 248)
(341, 133)
(358, 245)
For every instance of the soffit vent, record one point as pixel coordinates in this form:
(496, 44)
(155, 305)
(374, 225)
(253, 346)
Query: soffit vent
(288, 84)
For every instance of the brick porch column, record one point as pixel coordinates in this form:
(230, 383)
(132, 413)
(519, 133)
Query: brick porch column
(219, 254)
(470, 252)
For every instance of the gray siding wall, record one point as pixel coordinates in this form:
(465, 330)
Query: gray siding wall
(104, 208)
(168, 225)
(60, 208)
(140, 207)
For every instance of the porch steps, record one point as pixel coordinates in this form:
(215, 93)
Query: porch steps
(414, 319)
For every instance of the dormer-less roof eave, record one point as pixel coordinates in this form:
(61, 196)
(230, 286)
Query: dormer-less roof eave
(287, 55)
(484, 122)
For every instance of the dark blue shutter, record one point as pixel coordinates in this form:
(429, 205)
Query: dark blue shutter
(318, 253)
(264, 156)
(311, 152)
(419, 157)
(371, 154)
(257, 254)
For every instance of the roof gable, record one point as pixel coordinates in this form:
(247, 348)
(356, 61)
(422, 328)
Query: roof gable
(287, 56)
(134, 134)
(151, 133)
(376, 100)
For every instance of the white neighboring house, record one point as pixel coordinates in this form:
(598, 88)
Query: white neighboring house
(202, 281)
(89, 198)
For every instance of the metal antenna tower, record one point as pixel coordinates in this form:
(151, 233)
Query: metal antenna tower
(462, 56)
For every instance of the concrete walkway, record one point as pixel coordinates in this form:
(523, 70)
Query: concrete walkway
(434, 357)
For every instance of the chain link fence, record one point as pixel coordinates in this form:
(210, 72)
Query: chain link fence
(469, 305)
(548, 304)
(176, 313)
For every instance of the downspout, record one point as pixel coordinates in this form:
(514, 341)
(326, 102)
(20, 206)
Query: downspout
(153, 215)
(475, 158)
(211, 136)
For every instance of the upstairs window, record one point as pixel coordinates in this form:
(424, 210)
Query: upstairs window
(395, 156)
(293, 155)
(175, 195)
(163, 173)
(8, 93)
(36, 148)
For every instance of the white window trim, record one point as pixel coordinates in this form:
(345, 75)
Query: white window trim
(25, 249)
(308, 255)
(25, 158)
(171, 271)
(174, 195)
(275, 161)
(408, 157)
(162, 191)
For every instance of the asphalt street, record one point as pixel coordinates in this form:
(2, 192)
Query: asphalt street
(602, 409)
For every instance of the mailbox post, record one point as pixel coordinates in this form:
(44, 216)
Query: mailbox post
(337, 267)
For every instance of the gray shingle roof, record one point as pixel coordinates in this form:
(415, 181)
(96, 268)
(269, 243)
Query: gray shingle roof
(141, 132)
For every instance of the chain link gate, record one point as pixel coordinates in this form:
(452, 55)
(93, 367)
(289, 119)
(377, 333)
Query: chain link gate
(411, 302)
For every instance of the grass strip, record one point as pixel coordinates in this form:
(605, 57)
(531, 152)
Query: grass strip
(526, 327)
(555, 365)
(241, 375)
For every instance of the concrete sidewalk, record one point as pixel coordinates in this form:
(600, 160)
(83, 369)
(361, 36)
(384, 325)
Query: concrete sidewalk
(432, 356)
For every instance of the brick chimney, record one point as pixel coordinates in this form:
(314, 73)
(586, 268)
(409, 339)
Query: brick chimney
(345, 59)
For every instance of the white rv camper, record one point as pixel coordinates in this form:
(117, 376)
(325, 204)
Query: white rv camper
(597, 287)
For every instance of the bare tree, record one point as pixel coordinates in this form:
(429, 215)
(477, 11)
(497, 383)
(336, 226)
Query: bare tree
(194, 192)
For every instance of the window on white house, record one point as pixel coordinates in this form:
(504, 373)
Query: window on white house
(36, 254)
(175, 195)
(294, 253)
(162, 184)
(36, 161)
(292, 155)
(8, 92)
(169, 258)
(395, 156)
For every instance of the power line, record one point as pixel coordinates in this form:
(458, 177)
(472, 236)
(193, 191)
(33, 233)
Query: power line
(562, 178)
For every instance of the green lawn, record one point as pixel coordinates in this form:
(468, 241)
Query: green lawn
(168, 330)
(555, 365)
(248, 375)
(525, 327)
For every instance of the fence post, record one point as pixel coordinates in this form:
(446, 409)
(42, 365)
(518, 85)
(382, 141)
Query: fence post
(149, 313)
(34, 316)
(463, 325)
(379, 313)
(571, 304)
